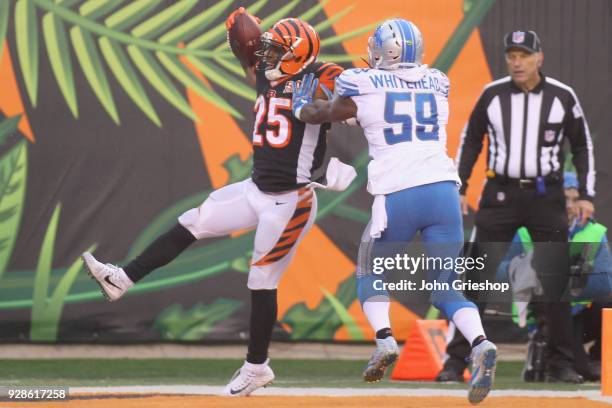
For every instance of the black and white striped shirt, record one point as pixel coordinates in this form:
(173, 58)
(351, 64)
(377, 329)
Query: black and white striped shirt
(526, 131)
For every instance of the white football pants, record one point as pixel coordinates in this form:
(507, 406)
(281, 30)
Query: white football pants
(281, 221)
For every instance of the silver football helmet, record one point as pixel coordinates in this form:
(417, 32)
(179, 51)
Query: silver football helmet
(396, 43)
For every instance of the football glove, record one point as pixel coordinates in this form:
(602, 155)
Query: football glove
(303, 93)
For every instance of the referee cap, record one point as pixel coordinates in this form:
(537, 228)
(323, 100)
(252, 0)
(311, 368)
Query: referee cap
(526, 40)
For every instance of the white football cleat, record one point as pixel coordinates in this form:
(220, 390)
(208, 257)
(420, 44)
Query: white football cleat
(248, 378)
(484, 360)
(113, 280)
(385, 354)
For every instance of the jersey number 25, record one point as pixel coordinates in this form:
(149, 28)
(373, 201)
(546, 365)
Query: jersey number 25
(276, 138)
(423, 119)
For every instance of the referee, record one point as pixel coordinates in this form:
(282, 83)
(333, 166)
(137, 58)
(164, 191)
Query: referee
(527, 117)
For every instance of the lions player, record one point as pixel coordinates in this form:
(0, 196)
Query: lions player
(402, 105)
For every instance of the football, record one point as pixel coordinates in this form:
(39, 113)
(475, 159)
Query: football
(244, 38)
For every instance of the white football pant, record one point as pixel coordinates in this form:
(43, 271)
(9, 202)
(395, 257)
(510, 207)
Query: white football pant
(281, 221)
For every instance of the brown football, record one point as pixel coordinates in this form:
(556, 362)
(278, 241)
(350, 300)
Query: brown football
(244, 38)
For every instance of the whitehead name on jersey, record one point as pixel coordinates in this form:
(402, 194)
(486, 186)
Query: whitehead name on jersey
(403, 114)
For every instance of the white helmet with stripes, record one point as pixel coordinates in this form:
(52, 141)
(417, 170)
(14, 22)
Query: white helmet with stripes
(396, 44)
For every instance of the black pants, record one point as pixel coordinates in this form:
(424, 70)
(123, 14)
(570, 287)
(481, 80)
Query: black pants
(504, 208)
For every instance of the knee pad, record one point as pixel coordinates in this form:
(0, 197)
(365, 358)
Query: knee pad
(195, 220)
(265, 277)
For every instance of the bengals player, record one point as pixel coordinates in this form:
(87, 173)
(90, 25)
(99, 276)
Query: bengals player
(275, 200)
(286, 150)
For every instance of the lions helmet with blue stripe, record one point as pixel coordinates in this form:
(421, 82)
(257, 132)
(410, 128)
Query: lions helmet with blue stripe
(396, 44)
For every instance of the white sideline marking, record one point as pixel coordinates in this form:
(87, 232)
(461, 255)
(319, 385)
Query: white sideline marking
(338, 392)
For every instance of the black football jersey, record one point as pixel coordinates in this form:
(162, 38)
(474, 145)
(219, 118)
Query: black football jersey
(287, 151)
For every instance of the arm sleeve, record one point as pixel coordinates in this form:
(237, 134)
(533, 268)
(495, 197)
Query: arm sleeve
(577, 131)
(471, 141)
(347, 85)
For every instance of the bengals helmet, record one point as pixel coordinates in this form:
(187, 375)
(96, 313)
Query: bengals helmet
(288, 47)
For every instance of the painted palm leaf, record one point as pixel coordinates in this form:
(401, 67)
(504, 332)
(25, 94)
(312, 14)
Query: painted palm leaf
(174, 323)
(43, 274)
(187, 78)
(269, 21)
(13, 175)
(95, 9)
(59, 56)
(192, 27)
(217, 34)
(68, 3)
(130, 14)
(26, 35)
(209, 69)
(282, 12)
(156, 24)
(4, 19)
(341, 58)
(312, 12)
(87, 53)
(120, 65)
(344, 315)
(155, 74)
(324, 25)
(47, 306)
(338, 39)
(132, 42)
(231, 66)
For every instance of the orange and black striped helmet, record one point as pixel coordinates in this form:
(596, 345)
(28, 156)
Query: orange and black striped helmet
(288, 47)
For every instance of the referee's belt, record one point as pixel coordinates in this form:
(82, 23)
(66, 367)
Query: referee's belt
(551, 179)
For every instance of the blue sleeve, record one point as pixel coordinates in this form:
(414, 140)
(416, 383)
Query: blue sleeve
(345, 86)
(570, 180)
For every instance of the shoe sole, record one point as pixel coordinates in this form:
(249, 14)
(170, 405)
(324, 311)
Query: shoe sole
(479, 390)
(92, 276)
(376, 372)
(246, 394)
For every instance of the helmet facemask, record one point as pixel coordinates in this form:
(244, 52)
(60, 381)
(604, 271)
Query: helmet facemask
(272, 52)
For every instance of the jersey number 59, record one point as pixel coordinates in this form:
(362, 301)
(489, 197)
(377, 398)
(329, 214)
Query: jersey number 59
(425, 118)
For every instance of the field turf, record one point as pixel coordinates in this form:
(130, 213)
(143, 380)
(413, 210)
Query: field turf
(289, 373)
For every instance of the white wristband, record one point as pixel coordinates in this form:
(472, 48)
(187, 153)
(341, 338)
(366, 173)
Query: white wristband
(297, 112)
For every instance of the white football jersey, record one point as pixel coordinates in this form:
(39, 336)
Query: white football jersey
(403, 114)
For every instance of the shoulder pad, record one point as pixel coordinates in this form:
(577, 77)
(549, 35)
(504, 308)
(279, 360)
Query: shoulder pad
(353, 82)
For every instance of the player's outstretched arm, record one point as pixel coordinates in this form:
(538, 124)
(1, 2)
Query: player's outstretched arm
(338, 109)
(319, 111)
